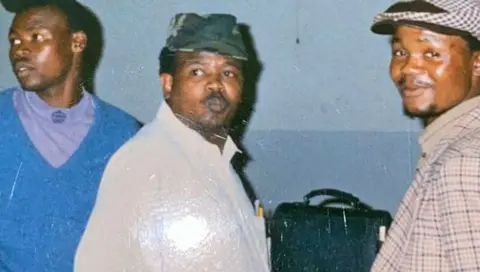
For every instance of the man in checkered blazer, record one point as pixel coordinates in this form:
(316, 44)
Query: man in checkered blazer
(435, 65)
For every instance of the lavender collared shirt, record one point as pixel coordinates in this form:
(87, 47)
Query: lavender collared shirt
(55, 132)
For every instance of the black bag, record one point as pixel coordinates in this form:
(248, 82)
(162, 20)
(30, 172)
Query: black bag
(321, 238)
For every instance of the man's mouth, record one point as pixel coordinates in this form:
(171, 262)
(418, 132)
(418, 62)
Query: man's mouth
(414, 91)
(216, 104)
(23, 68)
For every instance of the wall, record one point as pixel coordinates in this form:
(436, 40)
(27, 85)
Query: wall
(326, 115)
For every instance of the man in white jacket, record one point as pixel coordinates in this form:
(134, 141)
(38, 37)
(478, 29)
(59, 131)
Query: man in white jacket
(169, 199)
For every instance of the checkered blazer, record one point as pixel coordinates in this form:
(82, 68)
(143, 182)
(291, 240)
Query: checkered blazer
(437, 226)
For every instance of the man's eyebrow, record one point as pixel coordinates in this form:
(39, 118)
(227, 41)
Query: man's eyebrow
(201, 61)
(428, 39)
(234, 64)
(194, 61)
(35, 25)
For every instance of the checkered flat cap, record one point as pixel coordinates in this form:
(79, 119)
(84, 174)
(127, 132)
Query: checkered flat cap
(459, 16)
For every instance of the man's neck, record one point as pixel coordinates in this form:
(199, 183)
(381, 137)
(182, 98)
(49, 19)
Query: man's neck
(428, 121)
(64, 95)
(59, 99)
(216, 136)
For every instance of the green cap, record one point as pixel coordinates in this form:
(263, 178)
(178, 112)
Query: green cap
(219, 33)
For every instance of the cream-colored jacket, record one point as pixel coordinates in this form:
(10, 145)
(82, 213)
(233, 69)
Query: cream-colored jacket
(169, 201)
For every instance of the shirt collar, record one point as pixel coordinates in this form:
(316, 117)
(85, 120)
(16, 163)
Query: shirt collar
(73, 114)
(191, 139)
(438, 129)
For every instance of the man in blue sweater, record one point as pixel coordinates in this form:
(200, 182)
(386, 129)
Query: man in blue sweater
(55, 140)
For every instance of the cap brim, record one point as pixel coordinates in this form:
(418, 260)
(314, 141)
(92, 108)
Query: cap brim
(388, 27)
(221, 48)
(404, 12)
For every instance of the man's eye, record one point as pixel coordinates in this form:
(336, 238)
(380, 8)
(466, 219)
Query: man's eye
(432, 54)
(15, 41)
(196, 72)
(38, 37)
(229, 74)
(398, 53)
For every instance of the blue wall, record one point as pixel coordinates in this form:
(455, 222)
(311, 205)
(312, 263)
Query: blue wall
(327, 114)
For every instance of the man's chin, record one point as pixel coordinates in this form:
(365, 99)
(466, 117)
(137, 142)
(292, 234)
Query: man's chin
(212, 126)
(213, 120)
(28, 86)
(419, 113)
(36, 88)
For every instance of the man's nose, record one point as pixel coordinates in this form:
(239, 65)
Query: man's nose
(21, 51)
(215, 83)
(412, 65)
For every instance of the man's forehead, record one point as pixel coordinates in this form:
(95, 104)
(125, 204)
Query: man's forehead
(416, 33)
(39, 17)
(206, 57)
(416, 30)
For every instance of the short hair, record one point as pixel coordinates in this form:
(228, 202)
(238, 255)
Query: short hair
(473, 43)
(78, 18)
(72, 10)
(166, 61)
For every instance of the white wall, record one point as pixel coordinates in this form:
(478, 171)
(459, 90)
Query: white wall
(334, 80)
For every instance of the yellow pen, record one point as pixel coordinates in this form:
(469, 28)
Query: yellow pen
(260, 211)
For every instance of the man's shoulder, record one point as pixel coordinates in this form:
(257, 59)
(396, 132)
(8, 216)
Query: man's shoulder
(152, 158)
(111, 110)
(467, 145)
(116, 117)
(145, 161)
(8, 91)
(150, 143)
(461, 154)
(6, 94)
(7, 109)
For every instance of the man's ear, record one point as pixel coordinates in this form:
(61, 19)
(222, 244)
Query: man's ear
(79, 41)
(167, 82)
(476, 63)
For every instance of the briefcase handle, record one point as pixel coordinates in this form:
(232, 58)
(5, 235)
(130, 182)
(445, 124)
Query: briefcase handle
(339, 196)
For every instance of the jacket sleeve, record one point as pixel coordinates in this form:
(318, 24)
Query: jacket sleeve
(106, 243)
(163, 221)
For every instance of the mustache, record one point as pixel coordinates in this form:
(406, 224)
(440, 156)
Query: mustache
(216, 95)
(421, 81)
(20, 60)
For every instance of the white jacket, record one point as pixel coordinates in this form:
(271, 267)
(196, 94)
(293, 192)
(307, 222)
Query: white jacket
(169, 201)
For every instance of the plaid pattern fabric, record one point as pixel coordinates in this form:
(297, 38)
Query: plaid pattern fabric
(437, 226)
(462, 15)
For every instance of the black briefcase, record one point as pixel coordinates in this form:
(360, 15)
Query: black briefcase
(321, 238)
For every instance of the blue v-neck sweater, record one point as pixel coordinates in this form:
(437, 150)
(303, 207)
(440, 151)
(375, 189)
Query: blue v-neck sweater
(44, 210)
